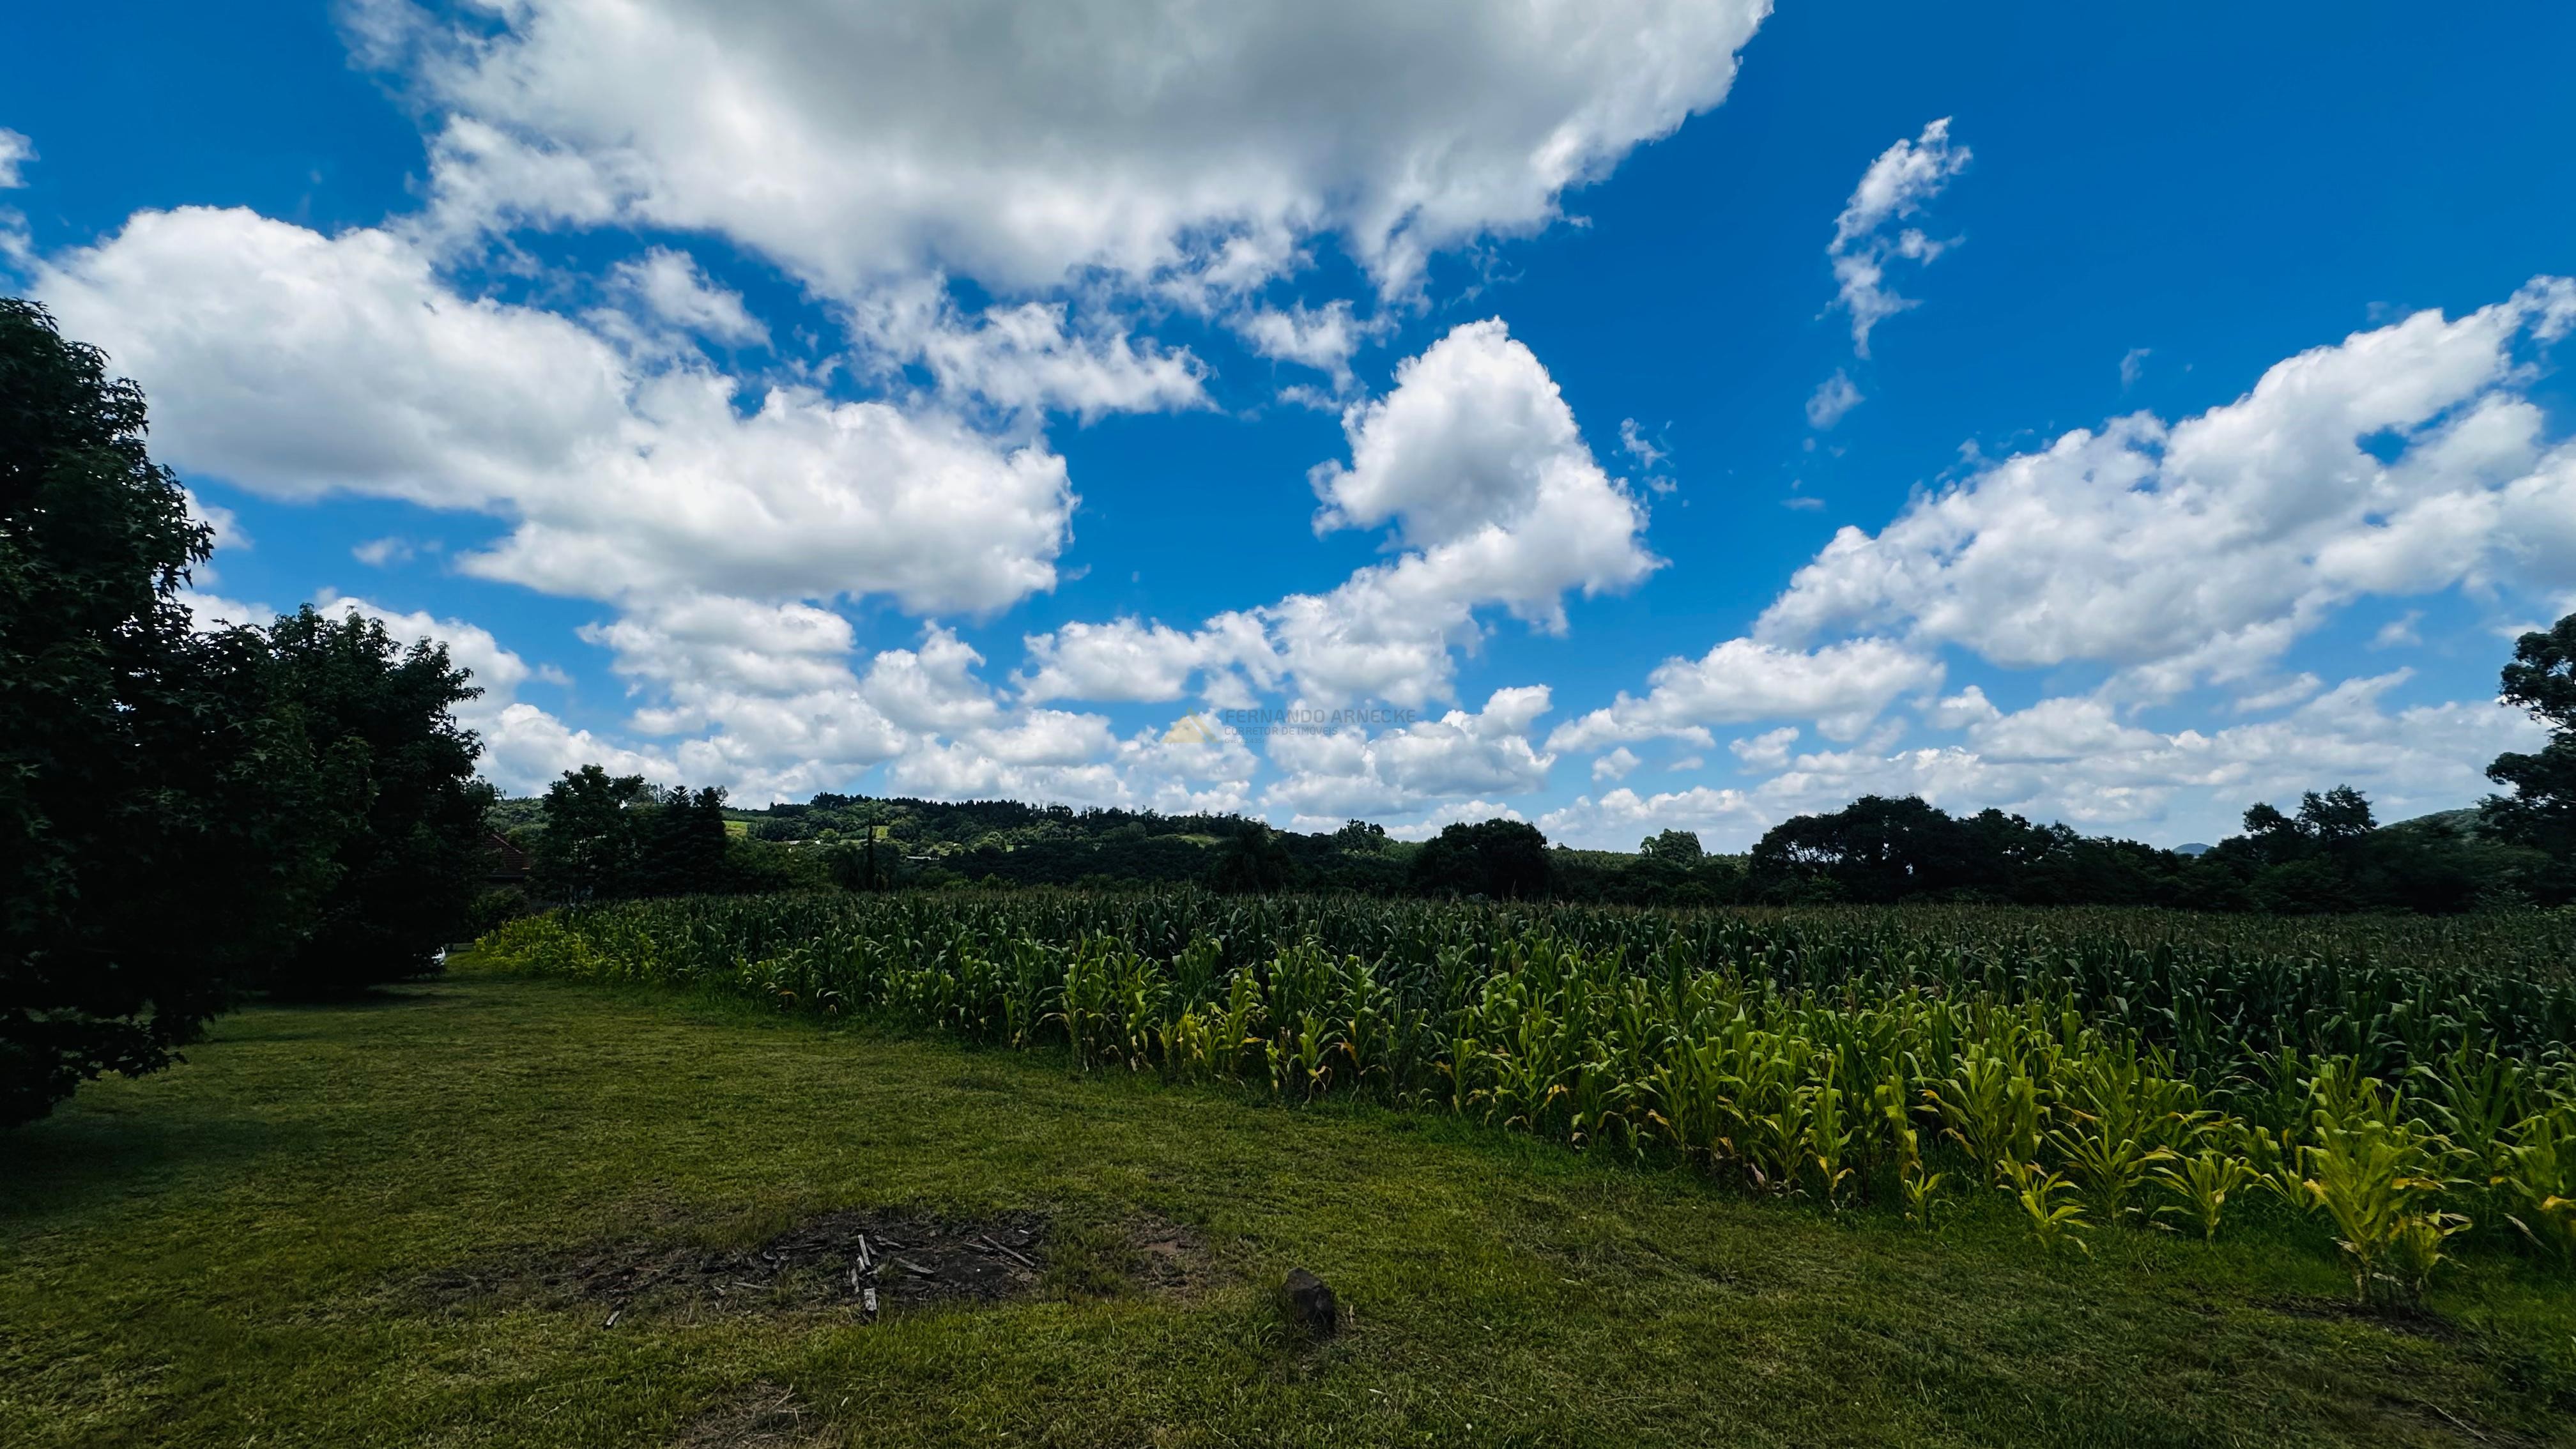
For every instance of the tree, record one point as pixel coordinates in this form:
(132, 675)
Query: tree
(1499, 859)
(2541, 811)
(1362, 836)
(2340, 815)
(2272, 835)
(163, 823)
(1252, 861)
(411, 859)
(681, 844)
(1875, 849)
(1681, 847)
(591, 848)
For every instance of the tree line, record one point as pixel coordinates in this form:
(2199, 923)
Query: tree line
(187, 814)
(595, 837)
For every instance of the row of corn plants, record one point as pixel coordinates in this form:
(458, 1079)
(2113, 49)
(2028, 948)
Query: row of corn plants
(2141, 1076)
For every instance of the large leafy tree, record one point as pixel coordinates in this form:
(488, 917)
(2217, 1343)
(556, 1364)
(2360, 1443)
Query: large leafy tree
(411, 858)
(1875, 849)
(1252, 861)
(2541, 811)
(1500, 859)
(163, 824)
(608, 837)
(593, 846)
(683, 844)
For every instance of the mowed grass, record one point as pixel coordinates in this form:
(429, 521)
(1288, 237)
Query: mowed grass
(234, 1252)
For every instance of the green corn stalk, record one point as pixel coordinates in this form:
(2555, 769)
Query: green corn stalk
(1828, 1139)
(2476, 1098)
(2059, 1226)
(2415, 1250)
(1920, 1191)
(2368, 1172)
(2539, 1181)
(2201, 1184)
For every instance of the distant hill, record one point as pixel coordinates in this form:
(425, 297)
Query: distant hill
(2466, 822)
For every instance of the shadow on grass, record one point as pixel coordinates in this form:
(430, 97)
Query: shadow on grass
(384, 997)
(83, 1157)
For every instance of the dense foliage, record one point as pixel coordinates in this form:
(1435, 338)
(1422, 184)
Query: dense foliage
(1502, 860)
(2406, 1081)
(410, 857)
(2331, 856)
(2541, 811)
(612, 837)
(181, 813)
(136, 867)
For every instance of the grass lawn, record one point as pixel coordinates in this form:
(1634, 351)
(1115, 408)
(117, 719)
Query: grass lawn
(327, 1229)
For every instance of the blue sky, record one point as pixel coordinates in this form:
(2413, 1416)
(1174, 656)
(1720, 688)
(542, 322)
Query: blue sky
(951, 399)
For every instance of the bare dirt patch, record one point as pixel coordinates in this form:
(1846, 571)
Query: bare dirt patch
(1169, 1257)
(763, 1416)
(2415, 1322)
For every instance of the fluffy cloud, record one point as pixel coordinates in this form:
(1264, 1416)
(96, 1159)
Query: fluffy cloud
(1616, 765)
(717, 642)
(673, 289)
(1463, 812)
(1768, 750)
(1474, 463)
(1896, 185)
(2202, 550)
(1022, 143)
(766, 699)
(1459, 754)
(1324, 338)
(1475, 442)
(1126, 659)
(2074, 759)
(1022, 359)
(524, 747)
(1622, 817)
(298, 365)
(1071, 163)
(1071, 759)
(15, 152)
(1842, 687)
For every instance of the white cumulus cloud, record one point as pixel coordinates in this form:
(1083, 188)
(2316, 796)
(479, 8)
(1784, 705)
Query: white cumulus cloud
(1458, 755)
(2203, 549)
(1841, 687)
(1020, 143)
(298, 366)
(1475, 465)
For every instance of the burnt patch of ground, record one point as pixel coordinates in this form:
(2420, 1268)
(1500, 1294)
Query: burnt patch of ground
(858, 1263)
(839, 1262)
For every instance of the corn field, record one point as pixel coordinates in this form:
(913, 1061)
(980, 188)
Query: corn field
(2402, 1082)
